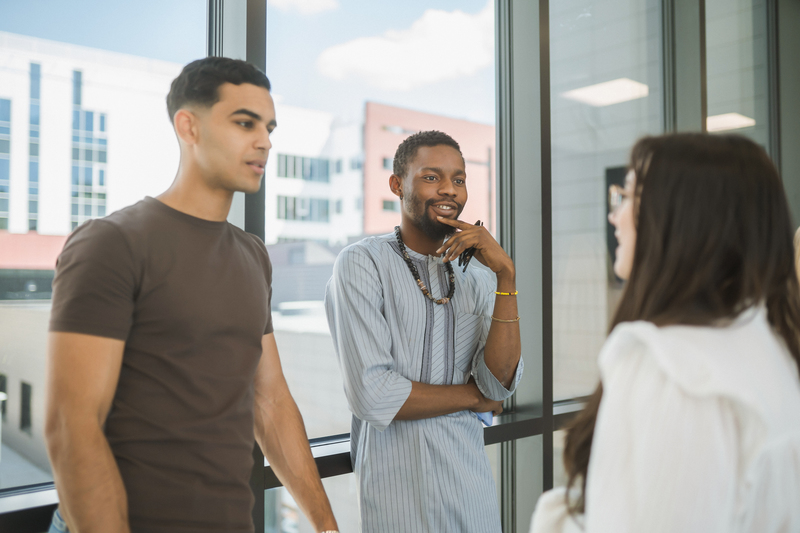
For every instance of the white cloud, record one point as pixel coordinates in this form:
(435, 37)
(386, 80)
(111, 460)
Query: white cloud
(305, 7)
(438, 46)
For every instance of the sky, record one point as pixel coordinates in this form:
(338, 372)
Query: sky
(332, 55)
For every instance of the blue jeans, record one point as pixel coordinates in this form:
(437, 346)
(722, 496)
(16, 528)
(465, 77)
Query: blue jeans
(58, 525)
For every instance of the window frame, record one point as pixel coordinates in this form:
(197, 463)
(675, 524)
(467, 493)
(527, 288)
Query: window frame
(524, 178)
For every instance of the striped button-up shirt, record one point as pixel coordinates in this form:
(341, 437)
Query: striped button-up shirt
(429, 475)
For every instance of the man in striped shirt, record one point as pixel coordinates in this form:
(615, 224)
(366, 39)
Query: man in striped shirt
(424, 347)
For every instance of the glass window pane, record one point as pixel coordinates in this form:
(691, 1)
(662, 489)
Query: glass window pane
(35, 77)
(283, 515)
(736, 68)
(5, 110)
(88, 121)
(606, 91)
(93, 82)
(34, 118)
(367, 108)
(77, 84)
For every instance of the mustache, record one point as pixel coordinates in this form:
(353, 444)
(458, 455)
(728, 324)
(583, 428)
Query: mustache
(429, 203)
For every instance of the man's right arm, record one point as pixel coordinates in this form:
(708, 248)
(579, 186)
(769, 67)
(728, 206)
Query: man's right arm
(82, 375)
(428, 401)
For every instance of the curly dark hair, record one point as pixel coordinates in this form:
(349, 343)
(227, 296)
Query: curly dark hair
(199, 81)
(408, 149)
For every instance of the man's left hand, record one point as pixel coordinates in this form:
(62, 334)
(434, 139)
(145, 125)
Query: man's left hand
(487, 250)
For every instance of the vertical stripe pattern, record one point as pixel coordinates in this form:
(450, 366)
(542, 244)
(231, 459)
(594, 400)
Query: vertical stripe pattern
(429, 475)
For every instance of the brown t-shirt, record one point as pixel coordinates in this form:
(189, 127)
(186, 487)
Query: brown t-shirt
(190, 298)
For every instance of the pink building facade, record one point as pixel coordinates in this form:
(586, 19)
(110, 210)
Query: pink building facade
(385, 127)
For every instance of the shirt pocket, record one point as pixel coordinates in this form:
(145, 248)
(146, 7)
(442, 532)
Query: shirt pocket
(468, 335)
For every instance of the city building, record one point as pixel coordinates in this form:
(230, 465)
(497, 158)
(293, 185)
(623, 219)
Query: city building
(385, 127)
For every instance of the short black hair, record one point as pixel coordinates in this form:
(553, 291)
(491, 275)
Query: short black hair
(199, 81)
(408, 149)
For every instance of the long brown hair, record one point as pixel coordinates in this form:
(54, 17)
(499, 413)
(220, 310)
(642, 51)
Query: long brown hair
(714, 237)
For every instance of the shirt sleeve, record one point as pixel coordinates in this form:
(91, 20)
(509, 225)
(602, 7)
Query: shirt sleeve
(662, 460)
(486, 381)
(95, 283)
(361, 338)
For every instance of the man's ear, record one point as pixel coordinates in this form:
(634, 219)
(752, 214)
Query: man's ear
(396, 185)
(186, 126)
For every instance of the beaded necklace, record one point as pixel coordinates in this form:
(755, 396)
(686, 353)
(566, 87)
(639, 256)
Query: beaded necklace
(451, 276)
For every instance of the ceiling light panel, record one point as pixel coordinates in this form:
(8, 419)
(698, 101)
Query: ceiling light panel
(608, 92)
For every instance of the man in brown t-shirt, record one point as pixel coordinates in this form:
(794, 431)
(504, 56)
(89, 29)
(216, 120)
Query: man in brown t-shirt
(162, 361)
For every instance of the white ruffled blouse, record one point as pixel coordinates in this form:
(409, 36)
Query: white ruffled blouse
(698, 431)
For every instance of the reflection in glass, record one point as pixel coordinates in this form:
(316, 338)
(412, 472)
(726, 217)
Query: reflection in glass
(736, 68)
(606, 91)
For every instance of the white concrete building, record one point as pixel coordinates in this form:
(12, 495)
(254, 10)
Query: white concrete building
(313, 178)
(88, 133)
(102, 139)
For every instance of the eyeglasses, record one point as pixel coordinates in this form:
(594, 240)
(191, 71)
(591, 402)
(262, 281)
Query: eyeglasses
(616, 196)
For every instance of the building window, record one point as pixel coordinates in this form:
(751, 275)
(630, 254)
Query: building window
(33, 148)
(338, 207)
(5, 111)
(34, 114)
(388, 163)
(5, 151)
(355, 164)
(77, 82)
(391, 205)
(338, 166)
(306, 168)
(25, 411)
(303, 209)
(89, 151)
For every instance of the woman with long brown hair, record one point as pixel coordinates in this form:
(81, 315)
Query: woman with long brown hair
(695, 426)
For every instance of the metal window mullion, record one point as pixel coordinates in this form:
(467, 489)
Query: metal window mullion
(547, 243)
(773, 83)
(684, 68)
(255, 204)
(214, 24)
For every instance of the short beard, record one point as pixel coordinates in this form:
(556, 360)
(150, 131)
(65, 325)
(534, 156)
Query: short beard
(434, 229)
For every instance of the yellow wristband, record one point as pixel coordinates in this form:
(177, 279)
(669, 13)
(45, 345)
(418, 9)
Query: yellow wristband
(506, 321)
(506, 293)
